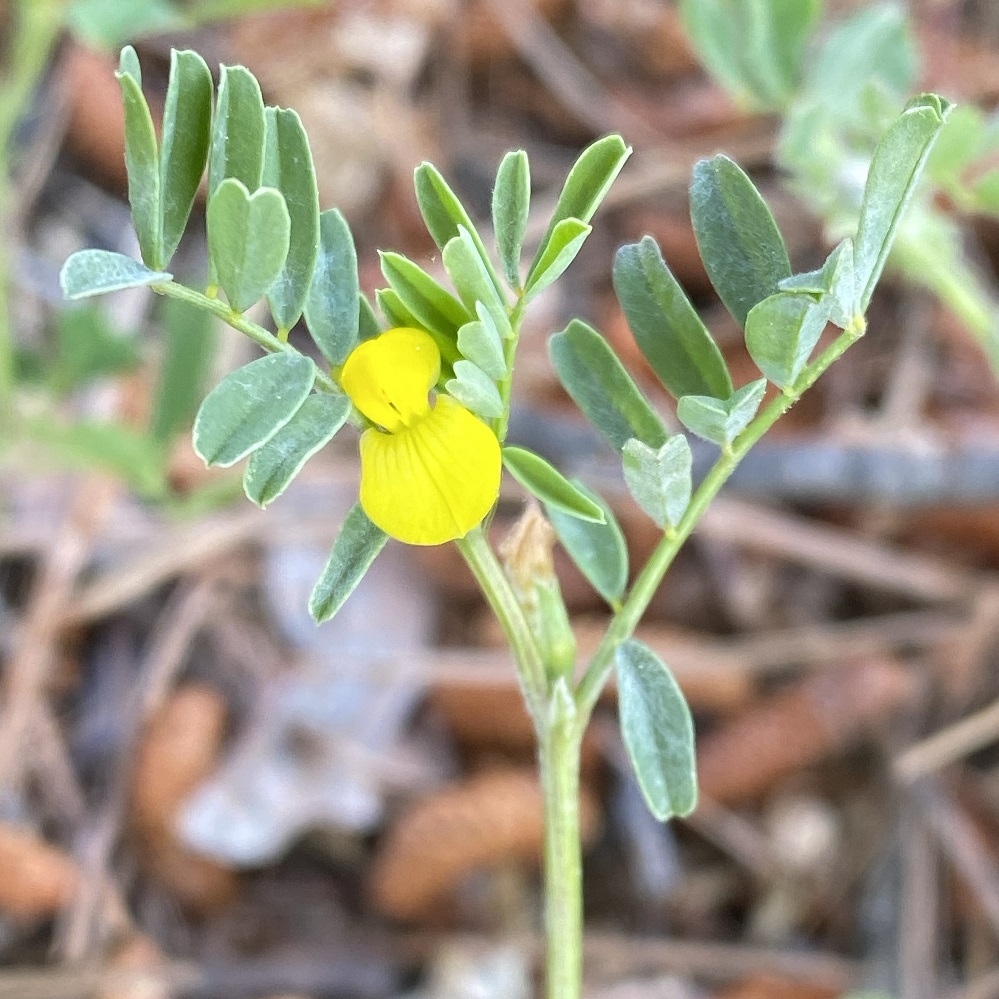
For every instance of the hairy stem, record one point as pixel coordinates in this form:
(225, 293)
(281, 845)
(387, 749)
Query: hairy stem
(626, 620)
(489, 574)
(264, 338)
(559, 743)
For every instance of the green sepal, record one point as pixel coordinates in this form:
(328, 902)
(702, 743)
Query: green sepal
(549, 485)
(666, 327)
(585, 187)
(248, 238)
(657, 729)
(274, 465)
(510, 208)
(595, 378)
(332, 306)
(250, 405)
(288, 167)
(598, 550)
(96, 272)
(659, 479)
(739, 242)
(355, 548)
(187, 126)
(721, 420)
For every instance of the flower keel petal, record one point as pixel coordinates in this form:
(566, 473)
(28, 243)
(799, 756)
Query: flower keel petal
(432, 481)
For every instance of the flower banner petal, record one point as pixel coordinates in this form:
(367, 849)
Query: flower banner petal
(432, 481)
(389, 376)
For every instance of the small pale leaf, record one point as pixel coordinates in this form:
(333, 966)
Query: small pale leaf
(659, 480)
(95, 272)
(658, 731)
(566, 241)
(781, 333)
(721, 420)
(237, 148)
(480, 343)
(247, 240)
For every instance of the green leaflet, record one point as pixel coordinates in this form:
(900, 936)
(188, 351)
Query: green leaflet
(288, 167)
(721, 420)
(475, 390)
(187, 122)
(274, 465)
(587, 184)
(355, 548)
(332, 306)
(510, 208)
(657, 729)
(742, 249)
(599, 550)
(142, 162)
(667, 329)
(433, 308)
(95, 272)
(549, 485)
(443, 214)
(237, 148)
(564, 243)
(247, 240)
(598, 383)
(895, 170)
(781, 333)
(250, 405)
(659, 480)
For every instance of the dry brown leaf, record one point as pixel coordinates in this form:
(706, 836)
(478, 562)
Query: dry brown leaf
(483, 822)
(36, 878)
(178, 750)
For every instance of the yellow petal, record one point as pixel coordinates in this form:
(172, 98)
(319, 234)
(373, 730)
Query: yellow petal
(434, 480)
(388, 377)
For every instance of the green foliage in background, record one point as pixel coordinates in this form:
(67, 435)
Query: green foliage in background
(837, 88)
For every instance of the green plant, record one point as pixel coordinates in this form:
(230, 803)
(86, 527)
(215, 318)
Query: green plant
(836, 89)
(33, 387)
(431, 394)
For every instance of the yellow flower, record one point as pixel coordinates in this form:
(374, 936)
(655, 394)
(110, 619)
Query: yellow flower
(430, 471)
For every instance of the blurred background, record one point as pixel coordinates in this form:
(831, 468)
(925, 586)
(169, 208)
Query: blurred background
(204, 795)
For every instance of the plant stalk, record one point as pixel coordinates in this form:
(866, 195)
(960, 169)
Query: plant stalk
(559, 745)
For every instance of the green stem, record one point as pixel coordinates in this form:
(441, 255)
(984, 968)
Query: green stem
(624, 623)
(238, 321)
(509, 353)
(489, 574)
(559, 744)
